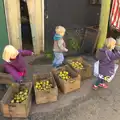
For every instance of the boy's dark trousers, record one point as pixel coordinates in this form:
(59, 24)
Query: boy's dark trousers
(99, 81)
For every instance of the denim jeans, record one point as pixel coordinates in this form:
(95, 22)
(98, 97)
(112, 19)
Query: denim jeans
(58, 59)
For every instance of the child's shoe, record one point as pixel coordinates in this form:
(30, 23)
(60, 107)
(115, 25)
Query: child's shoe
(94, 87)
(103, 85)
(54, 65)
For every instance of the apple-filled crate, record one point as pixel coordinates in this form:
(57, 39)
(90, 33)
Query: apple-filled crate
(45, 88)
(16, 103)
(67, 79)
(81, 66)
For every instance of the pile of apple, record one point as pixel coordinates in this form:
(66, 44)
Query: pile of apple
(77, 65)
(64, 75)
(20, 96)
(43, 85)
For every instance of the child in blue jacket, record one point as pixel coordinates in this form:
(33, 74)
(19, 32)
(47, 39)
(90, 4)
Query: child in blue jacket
(59, 46)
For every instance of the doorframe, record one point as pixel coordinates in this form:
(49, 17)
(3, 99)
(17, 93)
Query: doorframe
(16, 42)
(36, 16)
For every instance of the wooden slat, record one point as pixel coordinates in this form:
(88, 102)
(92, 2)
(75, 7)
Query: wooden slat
(12, 11)
(39, 20)
(36, 14)
(31, 12)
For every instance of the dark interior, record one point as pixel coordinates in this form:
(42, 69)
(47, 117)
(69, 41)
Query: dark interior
(72, 14)
(25, 27)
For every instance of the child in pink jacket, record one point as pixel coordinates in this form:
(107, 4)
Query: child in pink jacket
(14, 63)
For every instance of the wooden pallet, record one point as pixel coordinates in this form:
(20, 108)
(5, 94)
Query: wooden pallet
(44, 96)
(86, 72)
(16, 110)
(67, 86)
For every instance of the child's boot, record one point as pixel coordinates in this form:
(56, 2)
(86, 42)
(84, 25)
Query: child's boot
(103, 85)
(94, 87)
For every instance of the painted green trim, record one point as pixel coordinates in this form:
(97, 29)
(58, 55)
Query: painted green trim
(3, 30)
(105, 10)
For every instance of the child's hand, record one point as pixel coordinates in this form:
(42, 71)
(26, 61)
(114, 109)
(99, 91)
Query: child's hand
(66, 50)
(33, 53)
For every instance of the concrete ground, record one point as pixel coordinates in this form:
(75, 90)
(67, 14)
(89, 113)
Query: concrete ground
(83, 104)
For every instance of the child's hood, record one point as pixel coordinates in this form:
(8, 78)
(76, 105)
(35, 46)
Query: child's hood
(57, 37)
(102, 53)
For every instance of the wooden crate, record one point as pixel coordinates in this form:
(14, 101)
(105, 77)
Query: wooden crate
(67, 86)
(86, 72)
(44, 96)
(16, 110)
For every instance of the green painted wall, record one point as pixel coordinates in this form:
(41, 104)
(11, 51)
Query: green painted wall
(3, 30)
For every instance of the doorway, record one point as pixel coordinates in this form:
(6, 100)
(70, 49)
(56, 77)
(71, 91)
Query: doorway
(25, 26)
(27, 15)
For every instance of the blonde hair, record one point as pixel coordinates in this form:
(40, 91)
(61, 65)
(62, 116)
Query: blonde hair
(108, 42)
(9, 51)
(60, 29)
